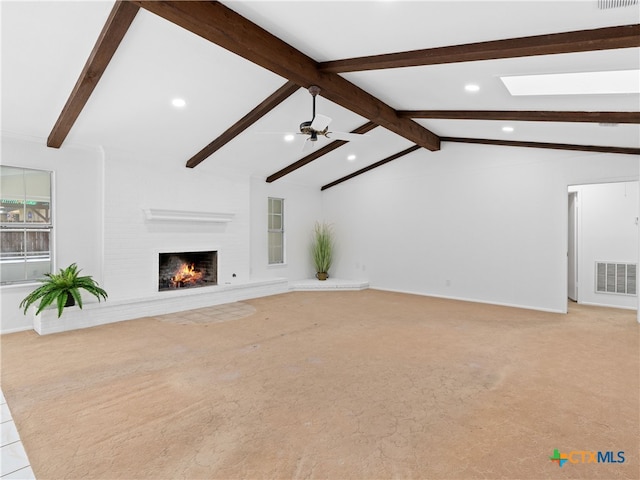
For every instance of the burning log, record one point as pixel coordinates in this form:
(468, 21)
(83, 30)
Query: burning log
(186, 275)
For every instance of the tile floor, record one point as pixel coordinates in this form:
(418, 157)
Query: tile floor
(215, 314)
(14, 463)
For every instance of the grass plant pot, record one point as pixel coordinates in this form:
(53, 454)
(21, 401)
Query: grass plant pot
(322, 249)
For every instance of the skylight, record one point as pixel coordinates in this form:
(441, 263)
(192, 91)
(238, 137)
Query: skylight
(584, 83)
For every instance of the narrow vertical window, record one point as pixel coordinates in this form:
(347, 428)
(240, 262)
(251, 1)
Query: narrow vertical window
(275, 233)
(25, 224)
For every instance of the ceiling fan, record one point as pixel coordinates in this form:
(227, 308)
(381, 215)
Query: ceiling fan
(319, 126)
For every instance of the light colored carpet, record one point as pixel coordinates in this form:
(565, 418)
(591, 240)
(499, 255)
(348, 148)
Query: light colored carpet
(335, 385)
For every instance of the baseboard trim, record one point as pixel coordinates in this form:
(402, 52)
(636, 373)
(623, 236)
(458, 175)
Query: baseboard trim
(15, 330)
(594, 304)
(471, 300)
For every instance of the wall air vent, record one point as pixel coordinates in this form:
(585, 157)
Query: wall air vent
(603, 4)
(616, 278)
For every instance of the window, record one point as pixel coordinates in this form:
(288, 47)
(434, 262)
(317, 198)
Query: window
(275, 222)
(25, 224)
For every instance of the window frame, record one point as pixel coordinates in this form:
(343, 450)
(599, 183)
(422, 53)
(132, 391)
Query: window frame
(25, 256)
(273, 229)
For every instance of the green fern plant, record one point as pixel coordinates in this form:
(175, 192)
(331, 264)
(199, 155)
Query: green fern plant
(322, 247)
(64, 289)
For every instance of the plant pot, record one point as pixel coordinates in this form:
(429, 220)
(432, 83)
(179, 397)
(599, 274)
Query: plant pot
(322, 275)
(70, 301)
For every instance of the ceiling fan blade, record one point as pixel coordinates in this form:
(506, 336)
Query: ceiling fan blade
(320, 122)
(344, 136)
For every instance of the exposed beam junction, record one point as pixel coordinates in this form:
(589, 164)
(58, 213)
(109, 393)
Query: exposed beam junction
(226, 28)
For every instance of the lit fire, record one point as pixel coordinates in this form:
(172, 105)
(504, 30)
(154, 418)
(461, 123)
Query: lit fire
(186, 275)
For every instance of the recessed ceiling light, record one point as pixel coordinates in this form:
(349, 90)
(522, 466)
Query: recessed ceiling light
(289, 137)
(178, 102)
(472, 87)
(351, 157)
(583, 83)
(507, 129)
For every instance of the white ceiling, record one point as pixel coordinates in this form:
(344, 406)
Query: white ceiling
(46, 44)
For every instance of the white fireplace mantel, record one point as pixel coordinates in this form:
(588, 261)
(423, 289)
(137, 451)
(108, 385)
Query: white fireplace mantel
(161, 215)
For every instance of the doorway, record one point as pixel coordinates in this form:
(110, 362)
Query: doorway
(602, 229)
(572, 251)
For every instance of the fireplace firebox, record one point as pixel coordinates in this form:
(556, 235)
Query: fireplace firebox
(187, 270)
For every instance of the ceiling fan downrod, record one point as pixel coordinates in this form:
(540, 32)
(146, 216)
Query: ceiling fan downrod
(305, 127)
(314, 90)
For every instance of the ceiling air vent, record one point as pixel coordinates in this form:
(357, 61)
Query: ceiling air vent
(616, 278)
(602, 4)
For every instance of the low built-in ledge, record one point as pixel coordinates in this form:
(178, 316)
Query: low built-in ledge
(93, 314)
(313, 284)
(159, 215)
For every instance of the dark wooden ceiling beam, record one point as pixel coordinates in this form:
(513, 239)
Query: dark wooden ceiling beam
(114, 30)
(485, 141)
(272, 101)
(318, 153)
(371, 167)
(553, 146)
(526, 116)
(626, 36)
(224, 27)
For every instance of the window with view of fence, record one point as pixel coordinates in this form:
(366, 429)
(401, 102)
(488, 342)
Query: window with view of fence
(25, 224)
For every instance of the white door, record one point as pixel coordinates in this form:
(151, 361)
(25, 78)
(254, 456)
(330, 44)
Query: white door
(572, 252)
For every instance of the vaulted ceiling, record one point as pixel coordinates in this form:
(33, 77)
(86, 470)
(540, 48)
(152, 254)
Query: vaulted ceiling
(394, 70)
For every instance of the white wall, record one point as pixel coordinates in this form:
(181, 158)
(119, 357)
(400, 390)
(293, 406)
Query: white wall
(607, 232)
(303, 207)
(132, 243)
(77, 207)
(472, 222)
(99, 202)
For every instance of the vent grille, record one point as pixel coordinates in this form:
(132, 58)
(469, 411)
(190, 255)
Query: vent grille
(603, 4)
(616, 278)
